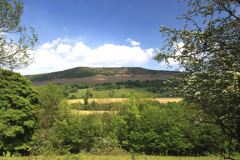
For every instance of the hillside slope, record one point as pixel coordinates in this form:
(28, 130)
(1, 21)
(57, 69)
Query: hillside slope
(99, 75)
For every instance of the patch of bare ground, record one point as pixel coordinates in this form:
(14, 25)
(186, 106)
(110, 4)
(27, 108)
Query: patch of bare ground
(101, 79)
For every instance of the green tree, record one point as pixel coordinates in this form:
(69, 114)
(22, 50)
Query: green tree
(88, 92)
(149, 89)
(53, 108)
(74, 97)
(18, 112)
(211, 61)
(76, 133)
(111, 94)
(118, 87)
(162, 90)
(50, 97)
(154, 89)
(15, 55)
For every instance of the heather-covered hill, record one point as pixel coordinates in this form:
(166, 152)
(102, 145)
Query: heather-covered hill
(100, 75)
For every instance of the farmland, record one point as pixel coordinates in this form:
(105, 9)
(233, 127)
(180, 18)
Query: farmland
(108, 100)
(119, 93)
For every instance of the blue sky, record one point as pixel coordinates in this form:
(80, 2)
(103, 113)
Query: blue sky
(94, 33)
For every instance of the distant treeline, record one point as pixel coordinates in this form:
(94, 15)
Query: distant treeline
(130, 84)
(73, 87)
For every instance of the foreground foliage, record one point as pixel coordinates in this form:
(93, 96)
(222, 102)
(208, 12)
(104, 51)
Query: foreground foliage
(211, 60)
(140, 126)
(18, 112)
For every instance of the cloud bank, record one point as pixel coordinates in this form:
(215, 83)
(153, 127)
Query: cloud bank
(58, 55)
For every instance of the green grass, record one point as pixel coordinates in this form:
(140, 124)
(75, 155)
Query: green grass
(118, 93)
(101, 94)
(95, 157)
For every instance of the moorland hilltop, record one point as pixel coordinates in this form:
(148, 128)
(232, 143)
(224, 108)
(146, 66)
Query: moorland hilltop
(100, 75)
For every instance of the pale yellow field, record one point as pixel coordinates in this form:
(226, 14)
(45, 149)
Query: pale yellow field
(108, 100)
(91, 112)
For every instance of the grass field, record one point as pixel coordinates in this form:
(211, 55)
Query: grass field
(94, 157)
(108, 100)
(119, 93)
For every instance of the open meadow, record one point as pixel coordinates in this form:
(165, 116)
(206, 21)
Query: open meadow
(119, 93)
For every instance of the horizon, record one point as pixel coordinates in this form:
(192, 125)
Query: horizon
(98, 34)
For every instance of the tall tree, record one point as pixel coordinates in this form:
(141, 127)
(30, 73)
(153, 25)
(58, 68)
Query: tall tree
(209, 54)
(50, 97)
(88, 93)
(14, 55)
(18, 112)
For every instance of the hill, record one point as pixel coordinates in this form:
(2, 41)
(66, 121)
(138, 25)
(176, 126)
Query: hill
(99, 75)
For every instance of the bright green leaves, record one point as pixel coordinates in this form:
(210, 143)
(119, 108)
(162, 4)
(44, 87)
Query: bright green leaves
(18, 104)
(170, 129)
(50, 97)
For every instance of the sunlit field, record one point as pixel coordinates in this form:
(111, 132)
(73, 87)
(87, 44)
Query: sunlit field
(108, 100)
(90, 112)
(118, 93)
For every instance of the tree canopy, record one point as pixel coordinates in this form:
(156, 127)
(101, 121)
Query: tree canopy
(18, 111)
(14, 55)
(209, 55)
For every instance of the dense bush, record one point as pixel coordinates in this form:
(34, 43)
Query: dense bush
(167, 130)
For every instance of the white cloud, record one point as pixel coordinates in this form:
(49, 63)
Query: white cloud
(62, 48)
(48, 59)
(133, 43)
(50, 45)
